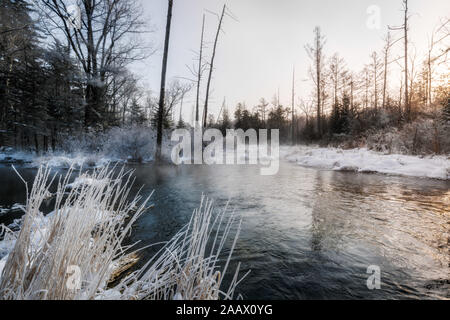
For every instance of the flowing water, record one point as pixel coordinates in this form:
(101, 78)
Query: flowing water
(306, 233)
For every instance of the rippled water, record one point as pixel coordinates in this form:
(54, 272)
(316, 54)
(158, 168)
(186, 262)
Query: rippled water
(307, 233)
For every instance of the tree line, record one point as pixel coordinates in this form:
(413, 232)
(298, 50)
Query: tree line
(58, 79)
(348, 103)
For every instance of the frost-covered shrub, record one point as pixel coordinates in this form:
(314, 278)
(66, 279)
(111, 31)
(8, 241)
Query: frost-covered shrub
(371, 119)
(421, 137)
(387, 142)
(84, 142)
(135, 142)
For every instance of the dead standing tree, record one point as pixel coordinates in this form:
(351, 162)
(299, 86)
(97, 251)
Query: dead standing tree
(293, 108)
(389, 43)
(366, 79)
(437, 37)
(211, 66)
(197, 72)
(315, 53)
(199, 75)
(386, 51)
(404, 27)
(184, 89)
(162, 92)
(375, 66)
(337, 66)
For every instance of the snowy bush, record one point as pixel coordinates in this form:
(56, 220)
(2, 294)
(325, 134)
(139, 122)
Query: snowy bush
(85, 142)
(421, 137)
(132, 143)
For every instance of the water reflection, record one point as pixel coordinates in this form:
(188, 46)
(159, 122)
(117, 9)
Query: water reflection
(306, 233)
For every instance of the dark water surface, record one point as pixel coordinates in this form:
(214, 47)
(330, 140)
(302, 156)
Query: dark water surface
(306, 233)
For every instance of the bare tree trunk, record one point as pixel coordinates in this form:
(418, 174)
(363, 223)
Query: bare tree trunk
(211, 66)
(351, 94)
(293, 107)
(375, 78)
(318, 78)
(104, 27)
(366, 97)
(386, 63)
(92, 94)
(36, 142)
(407, 102)
(7, 93)
(45, 142)
(376, 88)
(315, 53)
(199, 76)
(181, 110)
(53, 138)
(163, 82)
(429, 88)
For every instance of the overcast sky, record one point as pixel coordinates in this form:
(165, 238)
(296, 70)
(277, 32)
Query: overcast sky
(256, 54)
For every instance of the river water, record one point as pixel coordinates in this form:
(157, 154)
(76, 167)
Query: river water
(306, 233)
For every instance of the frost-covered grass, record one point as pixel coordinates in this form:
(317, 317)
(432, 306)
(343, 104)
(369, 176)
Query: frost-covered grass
(86, 230)
(363, 160)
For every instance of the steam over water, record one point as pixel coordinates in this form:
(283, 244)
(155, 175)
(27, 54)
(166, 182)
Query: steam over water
(306, 233)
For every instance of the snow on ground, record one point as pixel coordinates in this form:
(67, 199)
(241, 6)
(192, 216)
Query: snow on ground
(358, 160)
(8, 155)
(67, 161)
(60, 160)
(366, 161)
(40, 228)
(57, 160)
(86, 181)
(6, 246)
(14, 207)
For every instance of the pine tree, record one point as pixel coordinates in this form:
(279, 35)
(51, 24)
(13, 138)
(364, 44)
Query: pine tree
(238, 114)
(137, 115)
(226, 121)
(23, 111)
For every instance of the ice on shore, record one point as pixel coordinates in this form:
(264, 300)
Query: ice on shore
(366, 161)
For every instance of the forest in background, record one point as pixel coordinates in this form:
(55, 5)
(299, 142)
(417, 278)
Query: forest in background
(62, 86)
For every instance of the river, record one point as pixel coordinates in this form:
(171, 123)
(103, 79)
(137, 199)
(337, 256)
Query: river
(306, 233)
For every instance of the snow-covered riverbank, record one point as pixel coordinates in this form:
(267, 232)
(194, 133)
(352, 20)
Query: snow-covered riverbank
(59, 160)
(357, 160)
(366, 161)
(122, 145)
